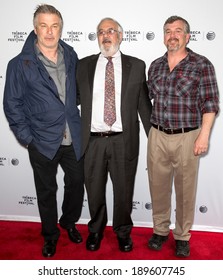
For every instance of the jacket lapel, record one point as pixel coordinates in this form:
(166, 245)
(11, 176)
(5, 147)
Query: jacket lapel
(91, 71)
(126, 68)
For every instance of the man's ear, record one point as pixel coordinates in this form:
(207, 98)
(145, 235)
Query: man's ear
(188, 38)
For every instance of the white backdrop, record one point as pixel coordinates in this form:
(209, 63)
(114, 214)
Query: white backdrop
(142, 21)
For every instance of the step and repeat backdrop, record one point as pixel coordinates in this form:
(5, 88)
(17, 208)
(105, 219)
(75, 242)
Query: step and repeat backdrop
(142, 22)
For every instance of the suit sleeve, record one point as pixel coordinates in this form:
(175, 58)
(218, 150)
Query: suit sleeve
(145, 105)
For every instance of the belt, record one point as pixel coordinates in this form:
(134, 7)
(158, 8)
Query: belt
(65, 146)
(174, 131)
(105, 134)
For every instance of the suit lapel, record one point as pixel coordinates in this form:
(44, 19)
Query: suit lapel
(91, 71)
(126, 68)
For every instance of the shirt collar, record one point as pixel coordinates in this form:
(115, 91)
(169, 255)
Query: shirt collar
(188, 57)
(38, 52)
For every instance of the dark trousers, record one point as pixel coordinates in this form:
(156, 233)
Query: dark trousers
(45, 171)
(107, 155)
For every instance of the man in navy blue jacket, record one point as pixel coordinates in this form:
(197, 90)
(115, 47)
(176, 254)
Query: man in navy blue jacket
(40, 105)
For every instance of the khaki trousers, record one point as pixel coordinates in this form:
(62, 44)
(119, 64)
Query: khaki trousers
(171, 160)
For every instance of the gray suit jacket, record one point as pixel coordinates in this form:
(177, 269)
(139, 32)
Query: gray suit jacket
(134, 100)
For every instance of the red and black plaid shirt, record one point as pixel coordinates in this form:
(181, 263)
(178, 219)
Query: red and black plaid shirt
(182, 96)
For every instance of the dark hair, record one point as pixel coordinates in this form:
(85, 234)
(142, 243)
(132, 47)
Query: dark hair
(175, 18)
(46, 9)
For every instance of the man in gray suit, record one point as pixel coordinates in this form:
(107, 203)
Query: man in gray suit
(111, 148)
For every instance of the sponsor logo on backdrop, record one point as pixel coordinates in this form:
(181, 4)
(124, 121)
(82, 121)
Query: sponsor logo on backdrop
(195, 35)
(135, 205)
(28, 200)
(210, 35)
(132, 35)
(15, 161)
(203, 209)
(17, 36)
(7, 161)
(150, 35)
(148, 205)
(92, 36)
(3, 161)
(73, 36)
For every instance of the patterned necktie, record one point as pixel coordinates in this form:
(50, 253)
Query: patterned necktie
(109, 102)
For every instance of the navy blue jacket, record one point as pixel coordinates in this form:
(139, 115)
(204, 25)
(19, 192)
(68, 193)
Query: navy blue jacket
(32, 105)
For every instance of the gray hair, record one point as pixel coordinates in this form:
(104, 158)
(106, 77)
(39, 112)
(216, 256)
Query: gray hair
(120, 29)
(46, 9)
(175, 18)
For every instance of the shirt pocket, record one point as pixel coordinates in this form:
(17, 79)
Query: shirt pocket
(156, 87)
(186, 91)
(185, 87)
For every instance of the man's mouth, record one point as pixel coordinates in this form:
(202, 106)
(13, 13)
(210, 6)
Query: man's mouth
(106, 41)
(175, 40)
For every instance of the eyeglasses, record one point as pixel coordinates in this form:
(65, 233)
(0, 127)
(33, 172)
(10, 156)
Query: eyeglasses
(109, 32)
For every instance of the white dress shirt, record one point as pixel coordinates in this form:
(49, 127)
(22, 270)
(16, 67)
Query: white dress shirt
(97, 122)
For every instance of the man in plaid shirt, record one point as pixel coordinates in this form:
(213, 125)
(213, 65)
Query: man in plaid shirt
(185, 97)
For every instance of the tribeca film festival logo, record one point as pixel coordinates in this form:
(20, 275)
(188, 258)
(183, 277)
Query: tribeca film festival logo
(3, 160)
(18, 36)
(135, 205)
(6, 161)
(73, 36)
(28, 200)
(131, 35)
(195, 35)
